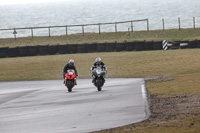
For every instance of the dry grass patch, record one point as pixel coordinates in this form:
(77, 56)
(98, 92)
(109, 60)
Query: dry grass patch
(179, 69)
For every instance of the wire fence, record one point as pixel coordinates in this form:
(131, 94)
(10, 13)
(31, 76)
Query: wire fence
(181, 23)
(131, 26)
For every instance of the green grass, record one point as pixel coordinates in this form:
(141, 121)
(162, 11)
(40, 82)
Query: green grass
(179, 69)
(170, 35)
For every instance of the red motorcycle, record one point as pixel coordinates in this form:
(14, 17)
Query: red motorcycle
(70, 79)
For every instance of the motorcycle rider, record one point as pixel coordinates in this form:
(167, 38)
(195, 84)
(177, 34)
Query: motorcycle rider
(68, 66)
(98, 63)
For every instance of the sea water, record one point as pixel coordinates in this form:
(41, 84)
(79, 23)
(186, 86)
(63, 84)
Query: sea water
(77, 12)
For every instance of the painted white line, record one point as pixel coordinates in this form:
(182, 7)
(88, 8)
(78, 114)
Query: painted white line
(143, 91)
(145, 100)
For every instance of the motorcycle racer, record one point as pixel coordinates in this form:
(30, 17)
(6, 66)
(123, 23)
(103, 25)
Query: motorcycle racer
(98, 63)
(68, 66)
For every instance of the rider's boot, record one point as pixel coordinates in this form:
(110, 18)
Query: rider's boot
(93, 80)
(75, 82)
(104, 80)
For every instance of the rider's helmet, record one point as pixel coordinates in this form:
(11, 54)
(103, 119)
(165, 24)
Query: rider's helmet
(98, 60)
(71, 62)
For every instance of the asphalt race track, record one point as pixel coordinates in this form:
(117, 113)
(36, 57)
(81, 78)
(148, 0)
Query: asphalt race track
(47, 106)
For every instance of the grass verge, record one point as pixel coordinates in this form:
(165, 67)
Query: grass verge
(178, 70)
(170, 35)
(172, 81)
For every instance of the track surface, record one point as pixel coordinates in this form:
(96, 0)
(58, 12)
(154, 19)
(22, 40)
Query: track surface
(47, 107)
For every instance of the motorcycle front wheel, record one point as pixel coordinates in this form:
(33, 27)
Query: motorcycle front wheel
(69, 85)
(99, 88)
(99, 84)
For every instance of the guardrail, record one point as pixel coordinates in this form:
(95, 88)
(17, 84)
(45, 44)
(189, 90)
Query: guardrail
(83, 25)
(94, 47)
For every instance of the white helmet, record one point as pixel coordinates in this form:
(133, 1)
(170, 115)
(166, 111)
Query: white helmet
(98, 60)
(71, 61)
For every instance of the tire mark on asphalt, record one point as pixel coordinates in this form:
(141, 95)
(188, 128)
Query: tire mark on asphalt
(4, 98)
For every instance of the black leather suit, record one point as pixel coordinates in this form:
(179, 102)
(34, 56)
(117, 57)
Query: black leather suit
(67, 67)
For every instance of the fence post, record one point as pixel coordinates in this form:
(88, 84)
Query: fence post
(179, 23)
(99, 29)
(15, 33)
(163, 24)
(131, 25)
(83, 30)
(66, 30)
(115, 27)
(194, 22)
(49, 32)
(129, 34)
(32, 32)
(147, 24)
